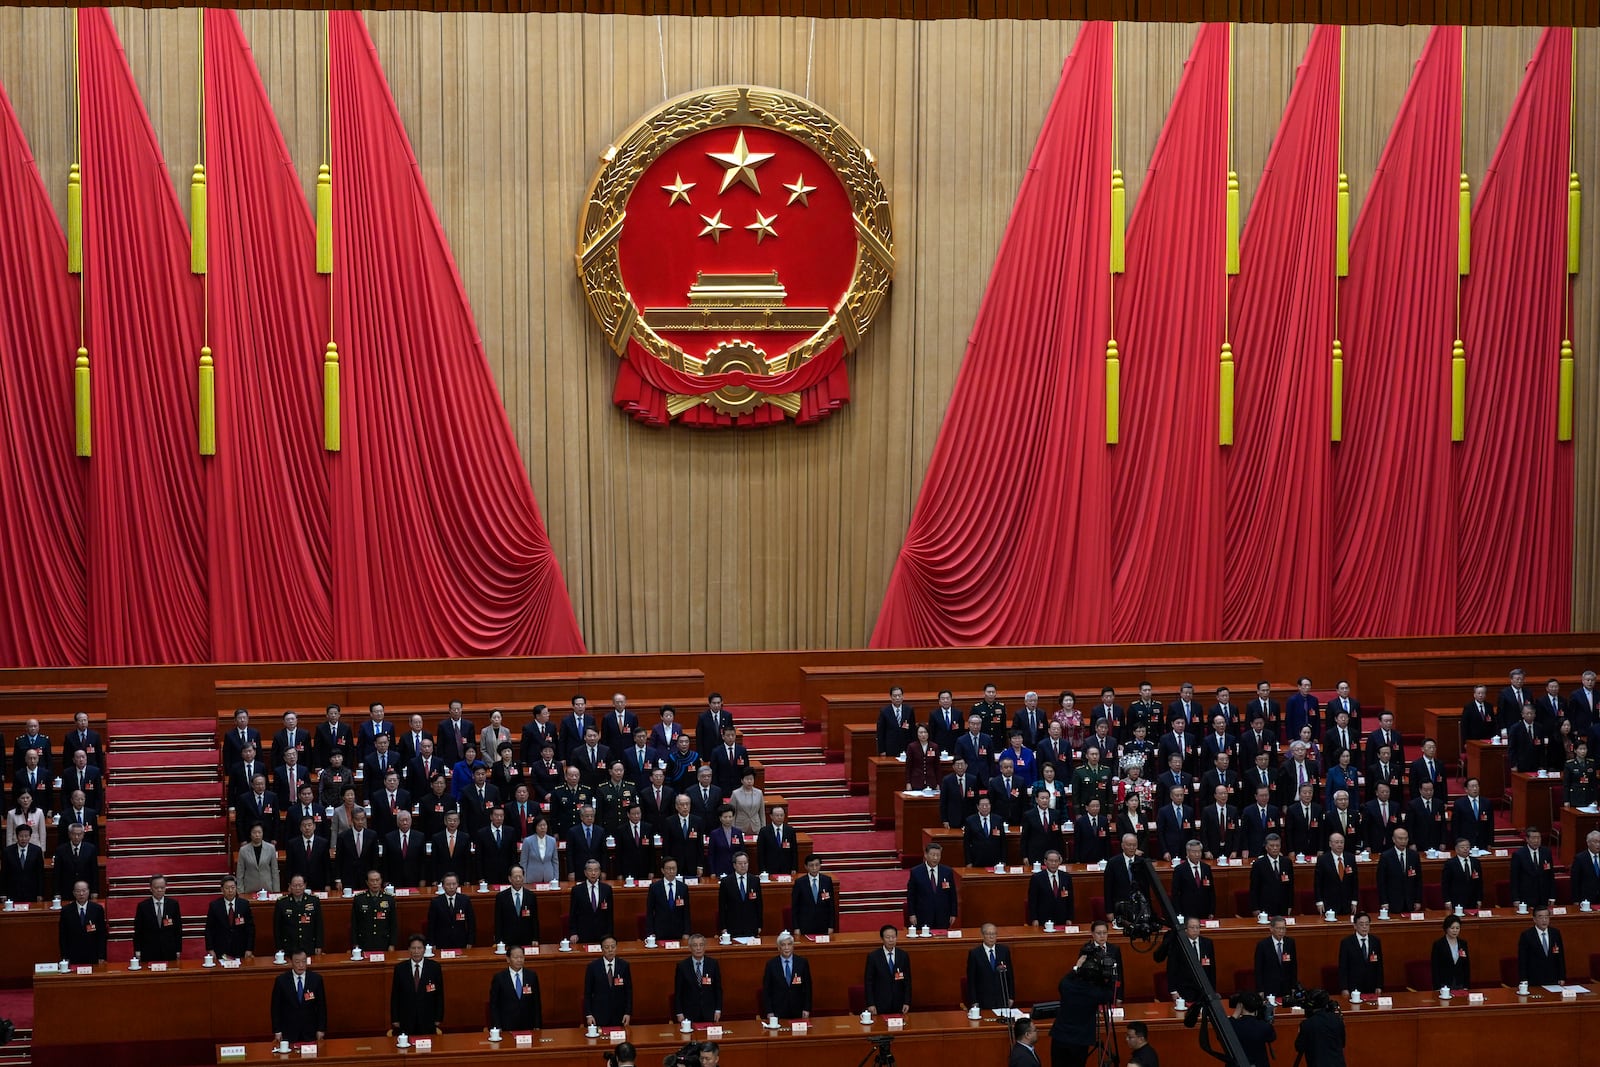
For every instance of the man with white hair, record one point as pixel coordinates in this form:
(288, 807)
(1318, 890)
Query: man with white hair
(1296, 772)
(1029, 721)
(786, 983)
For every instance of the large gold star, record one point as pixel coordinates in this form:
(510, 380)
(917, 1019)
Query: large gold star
(799, 190)
(741, 165)
(763, 226)
(679, 190)
(714, 227)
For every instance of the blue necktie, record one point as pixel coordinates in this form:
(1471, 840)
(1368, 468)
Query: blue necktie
(516, 983)
(788, 971)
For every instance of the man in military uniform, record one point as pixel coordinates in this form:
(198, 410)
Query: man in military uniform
(1146, 710)
(297, 920)
(993, 713)
(613, 799)
(1579, 777)
(374, 918)
(566, 800)
(1092, 779)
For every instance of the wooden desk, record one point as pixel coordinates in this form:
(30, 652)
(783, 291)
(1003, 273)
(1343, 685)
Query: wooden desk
(860, 746)
(1487, 763)
(1533, 800)
(914, 813)
(1444, 726)
(1575, 827)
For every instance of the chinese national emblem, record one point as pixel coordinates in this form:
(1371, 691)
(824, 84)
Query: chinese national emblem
(734, 247)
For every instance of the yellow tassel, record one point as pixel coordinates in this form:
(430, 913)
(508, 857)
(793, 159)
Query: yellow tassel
(1233, 222)
(1574, 218)
(80, 401)
(1225, 426)
(208, 403)
(197, 220)
(1341, 255)
(330, 398)
(1119, 217)
(1458, 391)
(1336, 388)
(1464, 228)
(75, 222)
(1113, 392)
(324, 219)
(1564, 395)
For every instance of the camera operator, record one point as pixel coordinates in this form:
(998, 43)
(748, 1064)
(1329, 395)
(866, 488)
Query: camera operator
(1253, 1027)
(1084, 990)
(1321, 1037)
(1143, 1054)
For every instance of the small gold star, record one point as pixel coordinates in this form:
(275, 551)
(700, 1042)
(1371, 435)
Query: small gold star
(714, 227)
(763, 226)
(800, 191)
(679, 190)
(741, 165)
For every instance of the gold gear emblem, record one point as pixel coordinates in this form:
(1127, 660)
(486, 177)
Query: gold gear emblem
(604, 217)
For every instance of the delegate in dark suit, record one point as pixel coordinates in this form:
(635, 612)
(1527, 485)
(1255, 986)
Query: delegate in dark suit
(739, 913)
(495, 857)
(1179, 979)
(516, 917)
(73, 866)
(1194, 895)
(931, 897)
(958, 798)
(786, 997)
(157, 930)
(777, 850)
(1541, 962)
(416, 1005)
(608, 999)
(668, 915)
(591, 912)
(686, 846)
(1272, 885)
(1447, 970)
(353, 861)
(982, 847)
(1120, 880)
(1586, 877)
(1360, 970)
(990, 986)
(451, 922)
(1277, 966)
(510, 1011)
(1533, 876)
(894, 734)
(1462, 886)
(1400, 880)
(82, 934)
(299, 1016)
(1334, 891)
(697, 997)
(403, 859)
(1472, 818)
(814, 909)
(1052, 903)
(230, 929)
(888, 982)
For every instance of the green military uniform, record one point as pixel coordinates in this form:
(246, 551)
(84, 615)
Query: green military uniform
(374, 922)
(297, 925)
(564, 804)
(612, 801)
(994, 719)
(1580, 782)
(1090, 781)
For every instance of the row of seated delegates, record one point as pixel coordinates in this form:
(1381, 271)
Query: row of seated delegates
(1482, 718)
(48, 760)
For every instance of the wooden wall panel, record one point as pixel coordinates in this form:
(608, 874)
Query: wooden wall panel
(781, 538)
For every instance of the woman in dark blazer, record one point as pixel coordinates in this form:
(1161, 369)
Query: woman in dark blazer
(922, 761)
(1452, 964)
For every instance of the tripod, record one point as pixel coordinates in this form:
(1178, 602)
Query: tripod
(1110, 1050)
(881, 1053)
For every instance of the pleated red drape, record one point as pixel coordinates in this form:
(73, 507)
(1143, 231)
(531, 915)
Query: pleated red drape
(1277, 580)
(1394, 522)
(268, 484)
(42, 485)
(1167, 529)
(1513, 478)
(147, 559)
(438, 546)
(1007, 542)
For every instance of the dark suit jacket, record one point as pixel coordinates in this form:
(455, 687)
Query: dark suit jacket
(1356, 971)
(1273, 894)
(777, 852)
(1192, 897)
(888, 992)
(82, 941)
(1400, 883)
(158, 938)
(607, 1002)
(507, 1011)
(1457, 973)
(990, 987)
(450, 738)
(689, 849)
(580, 850)
(1219, 831)
(1479, 831)
(1585, 878)
(1116, 883)
(1329, 891)
(653, 813)
(416, 1007)
(69, 869)
(312, 863)
(514, 927)
(978, 752)
(1179, 979)
(443, 861)
(235, 938)
(535, 735)
(615, 737)
(740, 916)
(892, 737)
(1428, 824)
(786, 1000)
(591, 925)
(1478, 721)
(299, 1019)
(813, 914)
(1509, 708)
(708, 729)
(1043, 904)
(980, 849)
(1459, 887)
(449, 927)
(1172, 833)
(1534, 965)
(1527, 746)
(249, 810)
(1303, 832)
(704, 803)
(958, 798)
(233, 745)
(933, 904)
(350, 867)
(1092, 839)
(325, 740)
(1277, 973)
(669, 924)
(1040, 834)
(403, 867)
(1533, 877)
(697, 1001)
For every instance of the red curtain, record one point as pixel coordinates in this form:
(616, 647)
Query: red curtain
(1009, 506)
(268, 484)
(1394, 520)
(1277, 581)
(1513, 478)
(438, 546)
(42, 485)
(1167, 528)
(147, 565)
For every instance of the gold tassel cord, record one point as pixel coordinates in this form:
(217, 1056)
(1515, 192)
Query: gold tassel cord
(80, 403)
(1113, 392)
(75, 219)
(1458, 391)
(1341, 254)
(330, 398)
(1233, 222)
(1119, 215)
(1225, 423)
(208, 403)
(1336, 416)
(1574, 220)
(197, 220)
(325, 219)
(1564, 395)
(1464, 227)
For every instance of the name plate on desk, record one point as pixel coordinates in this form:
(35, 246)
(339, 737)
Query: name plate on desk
(375, 957)
(423, 1044)
(403, 892)
(524, 1040)
(47, 968)
(1288, 920)
(1212, 924)
(159, 966)
(530, 950)
(230, 1052)
(90, 970)
(1414, 916)
(713, 1033)
(1474, 998)
(799, 1026)
(952, 933)
(1558, 910)
(617, 1036)
(309, 1049)
(1116, 1013)
(823, 939)
(783, 878)
(1569, 993)
(1385, 1002)
(449, 954)
(230, 964)
(1501, 853)
(895, 1022)
(18, 905)
(591, 948)
(672, 944)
